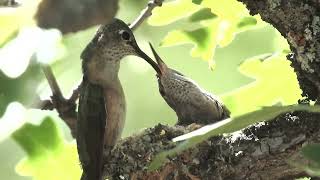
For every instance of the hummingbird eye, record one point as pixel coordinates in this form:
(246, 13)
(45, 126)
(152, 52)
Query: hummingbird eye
(125, 35)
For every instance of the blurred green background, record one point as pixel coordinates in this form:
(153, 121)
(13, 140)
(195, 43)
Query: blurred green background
(145, 106)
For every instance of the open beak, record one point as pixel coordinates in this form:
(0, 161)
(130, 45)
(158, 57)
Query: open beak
(144, 56)
(161, 64)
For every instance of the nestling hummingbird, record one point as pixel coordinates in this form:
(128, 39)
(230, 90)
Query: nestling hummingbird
(102, 106)
(191, 103)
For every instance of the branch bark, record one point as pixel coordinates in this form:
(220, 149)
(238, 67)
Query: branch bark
(145, 13)
(261, 151)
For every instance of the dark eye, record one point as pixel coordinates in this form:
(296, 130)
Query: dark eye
(125, 35)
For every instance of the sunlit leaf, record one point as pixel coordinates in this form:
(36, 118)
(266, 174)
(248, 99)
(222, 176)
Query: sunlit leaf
(11, 19)
(48, 155)
(303, 178)
(172, 11)
(202, 38)
(197, 1)
(222, 20)
(12, 120)
(247, 21)
(226, 126)
(43, 43)
(202, 14)
(274, 81)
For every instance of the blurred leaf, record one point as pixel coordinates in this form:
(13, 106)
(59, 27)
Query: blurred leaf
(202, 14)
(275, 81)
(197, 1)
(42, 43)
(48, 156)
(12, 120)
(10, 37)
(303, 178)
(281, 43)
(226, 126)
(247, 21)
(22, 89)
(12, 19)
(231, 17)
(312, 152)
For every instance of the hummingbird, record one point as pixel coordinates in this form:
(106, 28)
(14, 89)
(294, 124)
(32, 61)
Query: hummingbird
(102, 105)
(191, 103)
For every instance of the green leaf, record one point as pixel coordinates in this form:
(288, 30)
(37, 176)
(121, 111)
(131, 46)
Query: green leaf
(201, 37)
(48, 156)
(202, 14)
(274, 81)
(11, 35)
(172, 11)
(312, 152)
(221, 19)
(13, 19)
(226, 126)
(197, 1)
(12, 90)
(304, 178)
(247, 21)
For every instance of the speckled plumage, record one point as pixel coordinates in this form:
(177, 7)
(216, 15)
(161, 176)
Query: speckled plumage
(191, 103)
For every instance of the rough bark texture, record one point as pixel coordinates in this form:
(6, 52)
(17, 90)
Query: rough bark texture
(261, 151)
(75, 15)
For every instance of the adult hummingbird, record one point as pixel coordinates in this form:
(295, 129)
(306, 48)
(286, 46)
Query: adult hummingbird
(191, 103)
(102, 106)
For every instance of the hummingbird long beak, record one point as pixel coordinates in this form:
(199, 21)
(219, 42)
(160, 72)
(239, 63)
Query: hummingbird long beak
(144, 56)
(161, 64)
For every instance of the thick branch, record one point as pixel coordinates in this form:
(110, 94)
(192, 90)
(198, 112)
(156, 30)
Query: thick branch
(258, 152)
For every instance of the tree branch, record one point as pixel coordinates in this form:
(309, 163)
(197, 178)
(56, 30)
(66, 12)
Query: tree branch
(65, 107)
(261, 151)
(52, 81)
(145, 13)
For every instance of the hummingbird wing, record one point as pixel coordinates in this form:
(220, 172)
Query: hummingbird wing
(90, 130)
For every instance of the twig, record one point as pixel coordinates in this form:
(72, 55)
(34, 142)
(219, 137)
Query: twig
(52, 81)
(146, 12)
(65, 107)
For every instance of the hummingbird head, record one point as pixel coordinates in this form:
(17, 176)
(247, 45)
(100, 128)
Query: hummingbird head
(114, 41)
